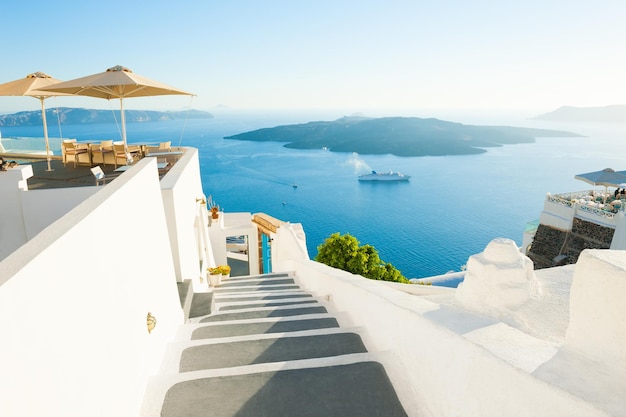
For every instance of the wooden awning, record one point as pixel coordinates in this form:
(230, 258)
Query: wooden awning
(266, 223)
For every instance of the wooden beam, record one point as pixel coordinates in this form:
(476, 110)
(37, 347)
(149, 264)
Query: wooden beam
(266, 223)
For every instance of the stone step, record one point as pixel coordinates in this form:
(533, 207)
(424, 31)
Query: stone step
(174, 352)
(185, 332)
(225, 298)
(254, 288)
(261, 346)
(241, 306)
(255, 282)
(353, 390)
(265, 312)
(248, 352)
(202, 304)
(283, 326)
(259, 276)
(159, 385)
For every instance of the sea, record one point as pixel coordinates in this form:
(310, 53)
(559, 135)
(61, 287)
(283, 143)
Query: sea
(451, 208)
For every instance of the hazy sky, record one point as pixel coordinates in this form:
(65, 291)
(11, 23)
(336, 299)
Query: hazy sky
(359, 55)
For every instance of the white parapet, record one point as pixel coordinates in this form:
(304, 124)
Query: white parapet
(13, 233)
(597, 326)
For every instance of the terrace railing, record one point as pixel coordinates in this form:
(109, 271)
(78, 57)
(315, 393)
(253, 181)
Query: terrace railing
(585, 201)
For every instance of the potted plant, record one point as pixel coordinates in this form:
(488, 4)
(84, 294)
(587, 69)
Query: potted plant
(225, 271)
(215, 276)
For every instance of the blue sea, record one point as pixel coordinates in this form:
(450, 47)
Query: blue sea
(452, 207)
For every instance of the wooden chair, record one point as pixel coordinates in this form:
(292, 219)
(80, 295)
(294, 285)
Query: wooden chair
(99, 152)
(71, 148)
(121, 153)
(163, 147)
(134, 150)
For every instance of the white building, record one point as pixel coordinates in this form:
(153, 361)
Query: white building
(81, 268)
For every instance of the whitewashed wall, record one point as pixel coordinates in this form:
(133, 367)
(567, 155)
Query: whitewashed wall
(74, 300)
(234, 224)
(289, 244)
(443, 373)
(597, 327)
(41, 208)
(27, 212)
(12, 230)
(557, 216)
(181, 188)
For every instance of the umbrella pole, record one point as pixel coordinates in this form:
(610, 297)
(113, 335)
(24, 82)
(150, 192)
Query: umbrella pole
(45, 132)
(123, 123)
(123, 118)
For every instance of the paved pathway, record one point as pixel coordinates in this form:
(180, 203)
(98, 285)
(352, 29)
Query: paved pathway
(269, 349)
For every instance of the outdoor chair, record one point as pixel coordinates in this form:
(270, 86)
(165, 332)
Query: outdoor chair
(124, 154)
(99, 175)
(71, 148)
(163, 147)
(120, 154)
(100, 152)
(134, 150)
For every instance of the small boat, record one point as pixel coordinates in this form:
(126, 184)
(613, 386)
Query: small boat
(384, 176)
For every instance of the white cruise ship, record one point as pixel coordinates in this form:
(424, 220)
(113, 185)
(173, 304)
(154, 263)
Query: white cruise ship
(385, 176)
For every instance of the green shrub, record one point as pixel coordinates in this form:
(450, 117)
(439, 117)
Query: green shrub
(344, 252)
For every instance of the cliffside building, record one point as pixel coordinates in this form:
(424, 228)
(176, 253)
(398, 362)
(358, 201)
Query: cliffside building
(105, 310)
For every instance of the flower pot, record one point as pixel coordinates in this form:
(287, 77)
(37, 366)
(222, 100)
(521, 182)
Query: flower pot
(215, 279)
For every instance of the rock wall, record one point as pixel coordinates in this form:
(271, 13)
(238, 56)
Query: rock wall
(546, 246)
(554, 247)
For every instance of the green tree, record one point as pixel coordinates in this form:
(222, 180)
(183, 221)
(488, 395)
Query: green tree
(344, 252)
(336, 251)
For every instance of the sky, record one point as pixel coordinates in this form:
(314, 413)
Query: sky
(359, 55)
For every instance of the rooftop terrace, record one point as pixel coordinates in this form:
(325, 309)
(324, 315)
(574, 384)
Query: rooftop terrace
(65, 176)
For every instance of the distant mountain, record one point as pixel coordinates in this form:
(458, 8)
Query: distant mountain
(69, 115)
(402, 136)
(606, 114)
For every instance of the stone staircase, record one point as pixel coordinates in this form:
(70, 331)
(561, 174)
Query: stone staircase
(265, 347)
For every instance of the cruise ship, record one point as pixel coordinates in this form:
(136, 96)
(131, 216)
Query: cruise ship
(384, 176)
(106, 310)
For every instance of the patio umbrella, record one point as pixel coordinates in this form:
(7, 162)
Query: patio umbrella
(607, 177)
(29, 86)
(115, 82)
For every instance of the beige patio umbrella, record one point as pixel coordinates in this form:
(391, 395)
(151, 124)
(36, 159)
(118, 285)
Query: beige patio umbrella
(30, 86)
(115, 82)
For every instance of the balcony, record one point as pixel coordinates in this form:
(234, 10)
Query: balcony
(67, 176)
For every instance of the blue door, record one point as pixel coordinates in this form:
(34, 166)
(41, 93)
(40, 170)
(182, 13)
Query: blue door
(267, 253)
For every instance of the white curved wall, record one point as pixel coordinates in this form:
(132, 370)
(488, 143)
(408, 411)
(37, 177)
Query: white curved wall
(74, 300)
(181, 187)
